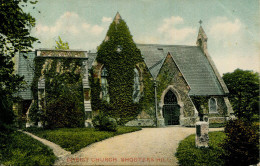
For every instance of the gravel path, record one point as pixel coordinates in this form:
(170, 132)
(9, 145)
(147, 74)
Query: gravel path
(57, 150)
(150, 146)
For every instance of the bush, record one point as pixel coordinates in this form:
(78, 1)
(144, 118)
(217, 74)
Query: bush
(34, 114)
(104, 123)
(188, 154)
(242, 143)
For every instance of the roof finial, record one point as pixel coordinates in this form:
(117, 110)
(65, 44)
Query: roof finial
(117, 18)
(200, 22)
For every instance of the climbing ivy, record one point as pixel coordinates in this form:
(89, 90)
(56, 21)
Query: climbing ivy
(201, 104)
(64, 105)
(120, 55)
(147, 102)
(34, 112)
(95, 91)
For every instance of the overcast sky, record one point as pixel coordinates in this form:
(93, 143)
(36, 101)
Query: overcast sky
(232, 26)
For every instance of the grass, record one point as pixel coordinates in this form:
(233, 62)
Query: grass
(188, 154)
(74, 139)
(21, 149)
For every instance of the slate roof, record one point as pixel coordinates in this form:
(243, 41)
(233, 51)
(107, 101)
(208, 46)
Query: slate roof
(26, 69)
(191, 61)
(153, 56)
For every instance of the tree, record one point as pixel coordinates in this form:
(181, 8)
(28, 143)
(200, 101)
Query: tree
(119, 54)
(62, 45)
(14, 37)
(244, 92)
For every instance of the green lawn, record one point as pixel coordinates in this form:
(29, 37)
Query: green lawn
(74, 139)
(21, 149)
(188, 154)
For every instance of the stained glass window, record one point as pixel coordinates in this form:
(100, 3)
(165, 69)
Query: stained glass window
(136, 92)
(104, 84)
(212, 105)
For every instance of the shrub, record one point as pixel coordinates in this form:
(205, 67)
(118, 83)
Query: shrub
(104, 123)
(241, 145)
(34, 114)
(188, 154)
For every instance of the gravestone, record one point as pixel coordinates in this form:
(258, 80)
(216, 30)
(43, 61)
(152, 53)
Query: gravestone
(202, 134)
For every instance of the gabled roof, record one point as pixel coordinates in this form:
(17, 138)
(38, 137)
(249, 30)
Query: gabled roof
(153, 57)
(26, 69)
(191, 61)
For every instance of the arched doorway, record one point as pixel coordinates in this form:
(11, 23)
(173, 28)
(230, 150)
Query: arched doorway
(171, 109)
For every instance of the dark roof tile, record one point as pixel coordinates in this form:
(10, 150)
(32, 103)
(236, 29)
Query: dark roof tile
(193, 64)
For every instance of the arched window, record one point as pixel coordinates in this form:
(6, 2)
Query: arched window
(170, 98)
(212, 105)
(136, 92)
(104, 84)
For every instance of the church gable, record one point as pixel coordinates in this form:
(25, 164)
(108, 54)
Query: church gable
(170, 75)
(118, 56)
(195, 66)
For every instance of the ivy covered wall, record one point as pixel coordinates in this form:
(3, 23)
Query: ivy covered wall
(61, 102)
(147, 101)
(119, 55)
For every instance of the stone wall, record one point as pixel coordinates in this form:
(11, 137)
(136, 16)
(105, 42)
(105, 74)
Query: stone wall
(224, 110)
(141, 122)
(217, 119)
(170, 78)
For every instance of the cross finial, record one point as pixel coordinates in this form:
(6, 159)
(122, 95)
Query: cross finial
(200, 22)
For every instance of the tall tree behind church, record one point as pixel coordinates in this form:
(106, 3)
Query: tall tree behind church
(120, 55)
(61, 44)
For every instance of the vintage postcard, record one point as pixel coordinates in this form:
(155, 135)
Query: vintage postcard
(140, 82)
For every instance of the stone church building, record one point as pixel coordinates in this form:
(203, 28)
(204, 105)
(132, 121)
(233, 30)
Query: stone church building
(180, 74)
